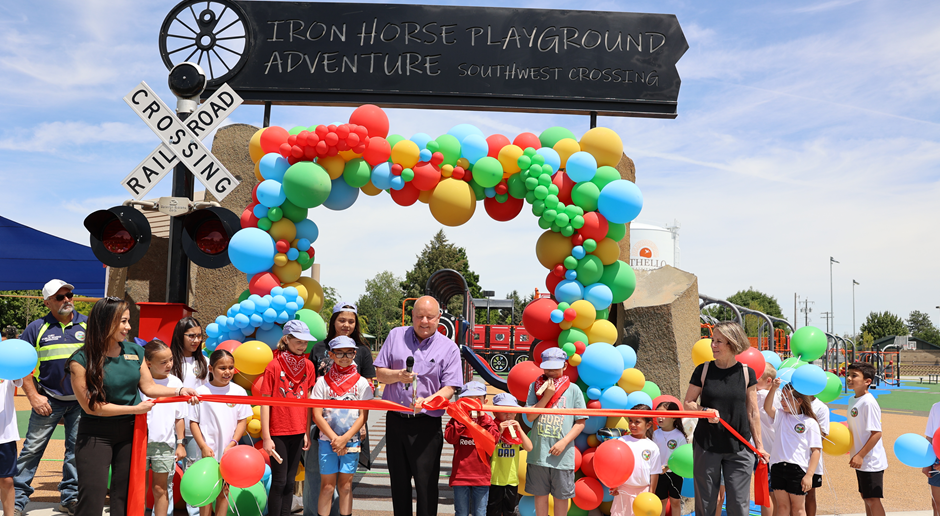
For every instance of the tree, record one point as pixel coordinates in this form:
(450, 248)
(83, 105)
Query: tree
(883, 324)
(330, 298)
(436, 255)
(20, 311)
(867, 341)
(921, 327)
(380, 305)
(754, 300)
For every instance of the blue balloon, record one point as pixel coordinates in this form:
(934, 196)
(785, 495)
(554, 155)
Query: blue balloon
(569, 291)
(303, 244)
(601, 365)
(269, 336)
(914, 450)
(593, 393)
(211, 344)
(236, 335)
(809, 380)
(688, 488)
(620, 201)
(260, 211)
(290, 293)
(262, 303)
(786, 375)
(242, 321)
(247, 330)
(639, 398)
(571, 275)
(230, 323)
(628, 354)
(592, 424)
(614, 398)
(598, 295)
(277, 291)
(527, 506)
(462, 131)
(489, 192)
(341, 195)
(212, 330)
(772, 358)
(247, 307)
(255, 320)
(269, 315)
(278, 302)
(293, 254)
(581, 167)
(252, 250)
(421, 139)
(307, 229)
(607, 496)
(19, 359)
(397, 182)
(580, 442)
(578, 252)
(267, 473)
(273, 166)
(266, 325)
(474, 147)
(283, 317)
(551, 157)
(557, 316)
(291, 307)
(425, 155)
(382, 176)
(220, 320)
(271, 193)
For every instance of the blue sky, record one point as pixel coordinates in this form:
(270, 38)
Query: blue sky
(806, 129)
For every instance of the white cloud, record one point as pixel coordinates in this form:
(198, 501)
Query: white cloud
(55, 136)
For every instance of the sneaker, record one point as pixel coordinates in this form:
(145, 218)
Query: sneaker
(17, 512)
(68, 507)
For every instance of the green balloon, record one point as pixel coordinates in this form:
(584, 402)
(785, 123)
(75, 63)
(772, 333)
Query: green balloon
(307, 184)
(249, 501)
(652, 389)
(487, 172)
(392, 140)
(293, 212)
(577, 222)
(407, 174)
(680, 462)
(524, 162)
(501, 198)
(202, 482)
(109, 477)
(264, 223)
(244, 295)
(832, 390)
(590, 269)
(297, 130)
(433, 146)
(564, 306)
(546, 181)
(357, 173)
(792, 362)
(530, 183)
(547, 212)
(605, 175)
(585, 195)
(574, 510)
(589, 244)
(449, 146)
(540, 192)
(313, 321)
(602, 314)
(544, 224)
(571, 263)
(562, 219)
(616, 231)
(275, 214)
(479, 193)
(567, 231)
(809, 343)
(516, 185)
(569, 349)
(305, 260)
(529, 196)
(572, 335)
(621, 279)
(552, 135)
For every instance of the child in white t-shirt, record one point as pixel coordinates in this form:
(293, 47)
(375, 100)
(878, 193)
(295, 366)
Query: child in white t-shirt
(796, 449)
(933, 472)
(767, 422)
(669, 436)
(646, 465)
(164, 426)
(9, 435)
(821, 411)
(869, 459)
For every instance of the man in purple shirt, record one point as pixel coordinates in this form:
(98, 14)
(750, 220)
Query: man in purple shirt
(414, 441)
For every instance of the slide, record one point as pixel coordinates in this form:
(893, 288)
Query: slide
(483, 369)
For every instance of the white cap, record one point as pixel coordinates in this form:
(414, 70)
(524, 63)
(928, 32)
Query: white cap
(53, 286)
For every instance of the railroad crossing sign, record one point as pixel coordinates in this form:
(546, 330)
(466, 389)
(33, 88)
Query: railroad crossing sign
(181, 141)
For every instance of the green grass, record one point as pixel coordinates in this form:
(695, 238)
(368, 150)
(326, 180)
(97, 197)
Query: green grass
(22, 422)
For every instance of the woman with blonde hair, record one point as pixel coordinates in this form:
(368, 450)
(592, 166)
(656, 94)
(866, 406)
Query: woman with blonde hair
(728, 387)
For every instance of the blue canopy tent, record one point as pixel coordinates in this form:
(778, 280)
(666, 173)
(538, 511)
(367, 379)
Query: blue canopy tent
(29, 258)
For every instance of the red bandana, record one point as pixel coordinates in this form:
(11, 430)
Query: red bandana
(341, 379)
(293, 365)
(561, 385)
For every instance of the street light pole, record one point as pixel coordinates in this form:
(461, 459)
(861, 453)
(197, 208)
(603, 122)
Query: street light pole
(831, 313)
(854, 330)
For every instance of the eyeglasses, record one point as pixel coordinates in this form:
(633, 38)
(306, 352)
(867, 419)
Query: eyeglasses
(348, 354)
(194, 336)
(60, 297)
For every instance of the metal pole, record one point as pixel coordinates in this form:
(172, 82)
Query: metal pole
(267, 115)
(854, 328)
(831, 304)
(593, 119)
(177, 268)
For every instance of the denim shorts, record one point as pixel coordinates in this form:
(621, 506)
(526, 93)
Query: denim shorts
(331, 463)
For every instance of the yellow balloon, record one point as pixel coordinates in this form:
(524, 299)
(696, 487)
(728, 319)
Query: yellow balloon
(607, 250)
(334, 165)
(575, 360)
(314, 293)
(602, 331)
(244, 380)
(301, 473)
(348, 155)
(552, 248)
(370, 189)
(280, 259)
(632, 380)
(604, 144)
(252, 357)
(258, 172)
(647, 504)
(839, 440)
(452, 202)
(702, 352)
(254, 428)
(509, 158)
(593, 441)
(287, 273)
(520, 471)
(254, 146)
(256, 412)
(406, 153)
(586, 314)
(605, 507)
(618, 422)
(564, 325)
(566, 148)
(463, 163)
(447, 170)
(283, 229)
(425, 196)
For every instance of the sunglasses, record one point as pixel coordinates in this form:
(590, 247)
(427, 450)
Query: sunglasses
(194, 336)
(348, 354)
(60, 297)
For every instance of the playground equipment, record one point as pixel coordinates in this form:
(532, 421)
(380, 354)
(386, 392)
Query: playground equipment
(773, 336)
(886, 363)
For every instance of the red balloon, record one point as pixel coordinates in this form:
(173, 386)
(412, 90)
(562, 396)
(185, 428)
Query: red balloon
(571, 372)
(372, 118)
(259, 445)
(248, 219)
(552, 281)
(564, 184)
(407, 196)
(539, 348)
(594, 404)
(526, 140)
(504, 211)
(537, 319)
(587, 462)
(262, 283)
(496, 142)
(229, 346)
(588, 493)
(936, 442)
(242, 466)
(754, 359)
(272, 138)
(665, 398)
(613, 462)
(595, 226)
(570, 314)
(521, 377)
(377, 151)
(256, 388)
(577, 459)
(426, 176)
(579, 347)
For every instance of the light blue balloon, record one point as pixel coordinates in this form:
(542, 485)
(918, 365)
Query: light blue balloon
(290, 293)
(220, 320)
(425, 155)
(462, 131)
(593, 423)
(809, 380)
(601, 366)
(260, 211)
(382, 176)
(421, 139)
(267, 325)
(277, 291)
(620, 201)
(252, 250)
(639, 398)
(278, 302)
(283, 317)
(270, 193)
(262, 303)
(578, 252)
(397, 182)
(341, 196)
(19, 359)
(247, 307)
(551, 157)
(269, 336)
(598, 295)
(255, 320)
(242, 321)
(307, 229)
(593, 393)
(581, 167)
(772, 358)
(212, 330)
(269, 315)
(527, 506)
(267, 473)
(569, 291)
(273, 166)
(571, 274)
(614, 398)
(236, 335)
(786, 375)
(628, 354)
(211, 344)
(247, 330)
(474, 147)
(557, 316)
(230, 323)
(913, 450)
(291, 307)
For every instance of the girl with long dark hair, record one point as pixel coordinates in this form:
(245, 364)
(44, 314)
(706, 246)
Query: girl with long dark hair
(106, 374)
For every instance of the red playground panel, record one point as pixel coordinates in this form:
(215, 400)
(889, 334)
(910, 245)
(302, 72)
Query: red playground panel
(522, 341)
(479, 337)
(500, 338)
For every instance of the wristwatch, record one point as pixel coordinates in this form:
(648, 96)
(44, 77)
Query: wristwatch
(179, 441)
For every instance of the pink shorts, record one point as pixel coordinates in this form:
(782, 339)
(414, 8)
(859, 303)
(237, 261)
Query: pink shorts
(623, 502)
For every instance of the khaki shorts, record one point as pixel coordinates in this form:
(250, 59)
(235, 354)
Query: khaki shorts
(544, 481)
(161, 457)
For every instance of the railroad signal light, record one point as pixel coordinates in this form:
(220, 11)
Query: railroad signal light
(120, 236)
(206, 235)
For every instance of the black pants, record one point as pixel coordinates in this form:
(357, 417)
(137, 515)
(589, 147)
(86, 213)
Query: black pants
(103, 443)
(502, 500)
(282, 475)
(414, 448)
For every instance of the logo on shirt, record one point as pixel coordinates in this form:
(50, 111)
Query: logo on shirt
(646, 455)
(80, 335)
(466, 442)
(854, 412)
(671, 444)
(230, 405)
(799, 428)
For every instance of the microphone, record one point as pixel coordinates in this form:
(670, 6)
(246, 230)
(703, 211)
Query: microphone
(409, 366)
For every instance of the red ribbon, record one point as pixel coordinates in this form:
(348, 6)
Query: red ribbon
(460, 410)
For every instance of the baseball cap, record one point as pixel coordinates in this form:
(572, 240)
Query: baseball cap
(473, 388)
(504, 399)
(341, 307)
(53, 286)
(298, 329)
(342, 342)
(554, 358)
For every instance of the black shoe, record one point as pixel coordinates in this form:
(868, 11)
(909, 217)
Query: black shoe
(68, 507)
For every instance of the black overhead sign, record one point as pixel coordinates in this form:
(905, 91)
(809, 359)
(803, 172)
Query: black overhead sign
(437, 56)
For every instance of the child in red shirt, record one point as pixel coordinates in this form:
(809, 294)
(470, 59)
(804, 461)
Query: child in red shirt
(470, 474)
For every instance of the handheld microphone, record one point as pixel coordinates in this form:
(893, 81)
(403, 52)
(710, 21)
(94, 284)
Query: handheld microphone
(409, 366)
